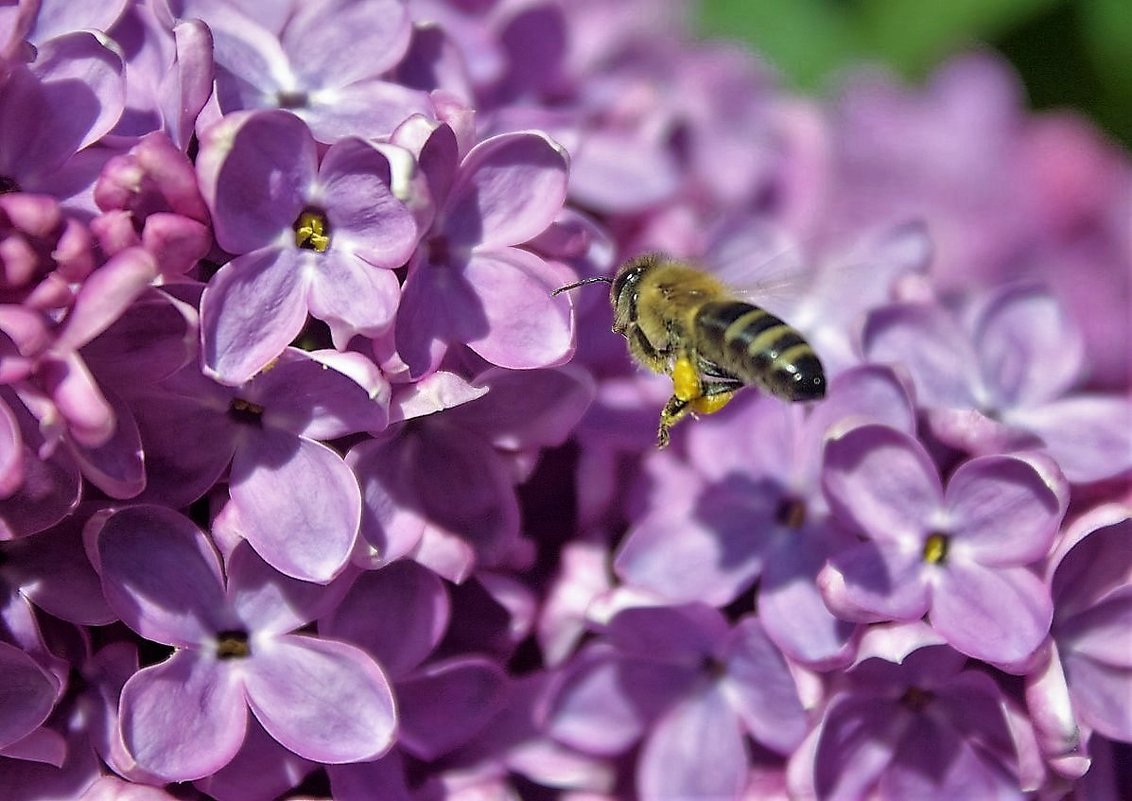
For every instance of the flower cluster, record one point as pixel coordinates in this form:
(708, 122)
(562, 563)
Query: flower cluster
(310, 487)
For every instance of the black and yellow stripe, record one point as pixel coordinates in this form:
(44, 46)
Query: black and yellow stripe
(756, 347)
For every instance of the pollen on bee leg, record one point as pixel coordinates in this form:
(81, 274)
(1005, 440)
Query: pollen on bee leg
(685, 380)
(710, 404)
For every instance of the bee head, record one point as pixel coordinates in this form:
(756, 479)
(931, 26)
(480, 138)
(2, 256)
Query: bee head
(626, 288)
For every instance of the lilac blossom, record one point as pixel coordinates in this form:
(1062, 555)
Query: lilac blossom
(233, 652)
(960, 554)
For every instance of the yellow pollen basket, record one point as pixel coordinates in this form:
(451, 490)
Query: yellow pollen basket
(310, 232)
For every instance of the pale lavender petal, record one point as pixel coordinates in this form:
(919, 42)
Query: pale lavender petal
(866, 583)
(445, 704)
(370, 108)
(270, 603)
(324, 39)
(193, 78)
(78, 399)
(523, 326)
(438, 306)
(509, 189)
(1001, 511)
(298, 502)
(694, 751)
(27, 694)
(1100, 694)
(857, 743)
(619, 172)
(250, 310)
(392, 521)
(398, 614)
(161, 575)
(351, 296)
(762, 688)
(930, 345)
(1029, 351)
(58, 17)
(1102, 633)
(326, 701)
(1000, 616)
(1090, 436)
(106, 295)
(435, 393)
(255, 168)
(680, 635)
(882, 481)
(206, 701)
(1050, 707)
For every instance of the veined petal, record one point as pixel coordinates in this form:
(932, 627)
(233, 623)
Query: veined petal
(250, 310)
(1090, 436)
(352, 297)
(270, 603)
(326, 701)
(189, 698)
(298, 502)
(509, 189)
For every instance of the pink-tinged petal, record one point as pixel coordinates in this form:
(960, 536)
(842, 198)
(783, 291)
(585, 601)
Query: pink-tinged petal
(372, 109)
(1001, 511)
(326, 701)
(562, 622)
(762, 688)
(866, 584)
(189, 698)
(106, 295)
(445, 554)
(398, 614)
(352, 297)
(972, 431)
(115, 467)
(1029, 351)
(321, 396)
(1090, 436)
(883, 482)
(161, 575)
(1050, 707)
(250, 311)
(601, 704)
(445, 704)
(27, 694)
(195, 71)
(78, 399)
(255, 169)
(509, 189)
(270, 603)
(1100, 695)
(857, 742)
(684, 560)
(522, 325)
(435, 393)
(1000, 616)
(365, 218)
(930, 346)
(695, 750)
(176, 242)
(323, 40)
(298, 503)
(392, 521)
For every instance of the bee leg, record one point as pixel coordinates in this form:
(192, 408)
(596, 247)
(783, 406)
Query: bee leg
(674, 411)
(716, 395)
(642, 350)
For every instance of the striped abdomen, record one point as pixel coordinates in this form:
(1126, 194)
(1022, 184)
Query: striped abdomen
(756, 347)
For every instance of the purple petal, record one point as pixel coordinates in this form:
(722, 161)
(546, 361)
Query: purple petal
(255, 168)
(106, 295)
(154, 337)
(116, 466)
(1100, 695)
(325, 54)
(1029, 351)
(694, 751)
(443, 706)
(352, 297)
(509, 189)
(161, 575)
(883, 482)
(1102, 633)
(1000, 616)
(398, 614)
(27, 694)
(1090, 436)
(326, 701)
(250, 310)
(858, 740)
(762, 688)
(1001, 511)
(523, 326)
(392, 522)
(684, 635)
(261, 769)
(616, 171)
(78, 399)
(867, 583)
(929, 344)
(268, 602)
(298, 502)
(372, 109)
(206, 701)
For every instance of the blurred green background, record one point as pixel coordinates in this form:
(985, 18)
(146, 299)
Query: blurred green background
(1069, 53)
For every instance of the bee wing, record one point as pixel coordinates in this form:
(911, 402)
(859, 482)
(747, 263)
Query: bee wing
(762, 264)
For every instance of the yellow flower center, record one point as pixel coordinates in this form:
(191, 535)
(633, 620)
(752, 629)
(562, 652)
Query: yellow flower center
(311, 232)
(935, 549)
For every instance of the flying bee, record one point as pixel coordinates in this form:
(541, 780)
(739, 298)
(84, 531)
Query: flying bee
(685, 323)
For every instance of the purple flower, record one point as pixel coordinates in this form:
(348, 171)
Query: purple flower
(1003, 379)
(471, 284)
(323, 239)
(960, 554)
(233, 651)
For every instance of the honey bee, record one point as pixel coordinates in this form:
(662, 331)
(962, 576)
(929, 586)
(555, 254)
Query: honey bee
(684, 323)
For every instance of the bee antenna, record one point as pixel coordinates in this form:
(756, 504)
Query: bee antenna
(597, 279)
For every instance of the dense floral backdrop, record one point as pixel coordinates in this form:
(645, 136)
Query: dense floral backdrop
(310, 488)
